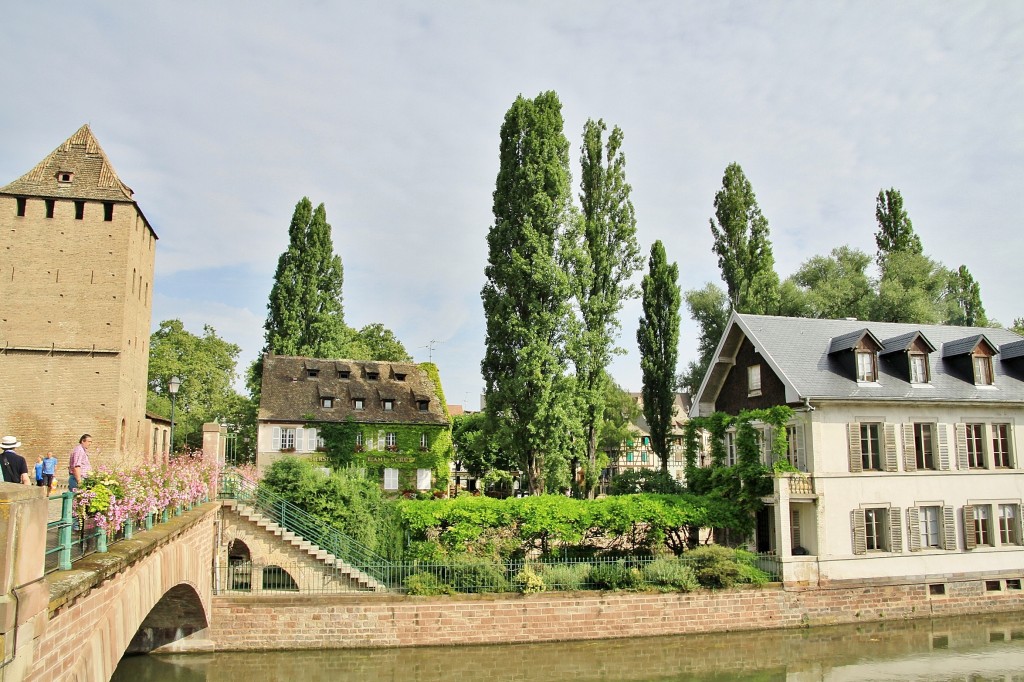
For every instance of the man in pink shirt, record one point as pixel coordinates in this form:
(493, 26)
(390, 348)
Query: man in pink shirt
(78, 464)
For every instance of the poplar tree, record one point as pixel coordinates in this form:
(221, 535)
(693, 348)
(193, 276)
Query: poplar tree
(743, 246)
(658, 339)
(963, 297)
(895, 231)
(603, 254)
(305, 315)
(526, 291)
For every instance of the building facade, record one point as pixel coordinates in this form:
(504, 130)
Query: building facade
(906, 439)
(76, 285)
(387, 418)
(635, 452)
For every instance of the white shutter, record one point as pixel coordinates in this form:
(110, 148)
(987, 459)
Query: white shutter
(423, 479)
(943, 447)
(970, 527)
(311, 440)
(276, 438)
(391, 479)
(914, 528)
(948, 528)
(909, 449)
(856, 465)
(889, 445)
(801, 454)
(896, 530)
(300, 439)
(961, 447)
(860, 539)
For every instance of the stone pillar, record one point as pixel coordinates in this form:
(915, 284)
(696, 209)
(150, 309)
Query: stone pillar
(213, 444)
(24, 594)
(783, 526)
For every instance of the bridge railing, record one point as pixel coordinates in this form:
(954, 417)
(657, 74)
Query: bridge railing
(68, 538)
(322, 534)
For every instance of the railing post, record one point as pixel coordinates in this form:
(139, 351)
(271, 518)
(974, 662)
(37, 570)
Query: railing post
(64, 534)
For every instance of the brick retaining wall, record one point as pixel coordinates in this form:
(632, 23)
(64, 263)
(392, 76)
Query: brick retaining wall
(349, 621)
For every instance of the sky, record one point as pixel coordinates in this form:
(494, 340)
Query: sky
(222, 116)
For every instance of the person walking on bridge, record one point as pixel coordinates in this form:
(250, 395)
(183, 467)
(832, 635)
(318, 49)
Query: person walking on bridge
(78, 464)
(15, 469)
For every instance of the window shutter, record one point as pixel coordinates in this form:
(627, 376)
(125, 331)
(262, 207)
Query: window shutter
(856, 465)
(423, 479)
(1017, 525)
(970, 539)
(801, 454)
(914, 528)
(311, 443)
(943, 447)
(794, 524)
(766, 446)
(895, 530)
(860, 539)
(948, 528)
(961, 447)
(276, 438)
(891, 457)
(300, 439)
(909, 450)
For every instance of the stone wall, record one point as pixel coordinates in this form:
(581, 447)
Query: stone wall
(343, 621)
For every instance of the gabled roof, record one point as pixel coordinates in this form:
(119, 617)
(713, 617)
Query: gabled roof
(80, 154)
(966, 345)
(851, 340)
(1012, 350)
(905, 342)
(289, 394)
(798, 352)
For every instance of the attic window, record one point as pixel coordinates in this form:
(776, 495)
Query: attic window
(357, 404)
(312, 373)
(919, 368)
(388, 404)
(326, 402)
(422, 405)
(982, 370)
(372, 375)
(399, 376)
(344, 373)
(754, 380)
(64, 177)
(867, 369)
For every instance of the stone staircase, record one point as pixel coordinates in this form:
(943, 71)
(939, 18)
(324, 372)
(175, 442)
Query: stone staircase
(363, 580)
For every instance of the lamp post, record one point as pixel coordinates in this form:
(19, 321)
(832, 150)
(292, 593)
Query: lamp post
(173, 385)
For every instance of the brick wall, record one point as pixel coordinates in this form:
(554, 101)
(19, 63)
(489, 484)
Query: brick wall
(342, 621)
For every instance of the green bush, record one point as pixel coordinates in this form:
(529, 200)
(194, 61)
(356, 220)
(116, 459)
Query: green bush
(529, 582)
(426, 585)
(671, 573)
(476, 575)
(615, 576)
(749, 572)
(719, 567)
(566, 577)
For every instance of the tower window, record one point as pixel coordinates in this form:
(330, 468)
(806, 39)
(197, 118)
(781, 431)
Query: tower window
(49, 208)
(108, 211)
(21, 207)
(79, 210)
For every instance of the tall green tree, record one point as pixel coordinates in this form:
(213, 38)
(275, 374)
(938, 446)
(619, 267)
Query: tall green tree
(833, 286)
(602, 254)
(912, 289)
(709, 308)
(1018, 326)
(526, 291)
(895, 231)
(658, 338)
(963, 298)
(376, 342)
(743, 246)
(305, 314)
(206, 365)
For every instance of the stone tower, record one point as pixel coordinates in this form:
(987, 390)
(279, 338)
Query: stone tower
(76, 288)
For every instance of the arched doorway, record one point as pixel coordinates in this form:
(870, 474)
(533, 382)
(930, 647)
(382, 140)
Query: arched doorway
(239, 566)
(276, 578)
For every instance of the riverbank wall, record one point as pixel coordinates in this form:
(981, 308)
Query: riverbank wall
(268, 622)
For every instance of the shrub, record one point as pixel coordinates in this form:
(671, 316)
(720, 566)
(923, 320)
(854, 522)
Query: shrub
(477, 575)
(671, 573)
(615, 576)
(749, 571)
(529, 582)
(427, 585)
(567, 577)
(720, 567)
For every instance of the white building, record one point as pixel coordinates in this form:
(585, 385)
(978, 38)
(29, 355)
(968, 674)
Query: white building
(908, 436)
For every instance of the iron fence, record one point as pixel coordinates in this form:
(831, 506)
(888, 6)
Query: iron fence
(68, 538)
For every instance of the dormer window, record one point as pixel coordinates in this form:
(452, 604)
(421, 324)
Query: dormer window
(358, 404)
(754, 380)
(867, 367)
(344, 373)
(399, 376)
(312, 373)
(388, 404)
(919, 368)
(327, 402)
(65, 177)
(982, 370)
(372, 375)
(422, 405)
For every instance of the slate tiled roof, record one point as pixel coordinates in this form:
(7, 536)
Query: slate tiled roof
(290, 394)
(903, 342)
(1012, 350)
(93, 175)
(965, 345)
(797, 349)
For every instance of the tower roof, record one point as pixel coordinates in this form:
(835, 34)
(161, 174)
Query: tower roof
(77, 169)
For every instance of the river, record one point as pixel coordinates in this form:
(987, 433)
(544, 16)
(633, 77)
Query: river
(974, 648)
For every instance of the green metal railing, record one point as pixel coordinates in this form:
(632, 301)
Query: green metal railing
(290, 517)
(68, 538)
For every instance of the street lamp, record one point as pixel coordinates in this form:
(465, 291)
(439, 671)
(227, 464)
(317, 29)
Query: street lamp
(173, 385)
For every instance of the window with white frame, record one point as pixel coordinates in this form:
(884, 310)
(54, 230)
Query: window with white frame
(359, 438)
(983, 524)
(879, 528)
(923, 444)
(423, 479)
(358, 404)
(918, 368)
(423, 441)
(876, 520)
(754, 380)
(391, 479)
(866, 366)
(389, 405)
(326, 402)
(1009, 524)
(287, 439)
(391, 440)
(1001, 445)
(795, 447)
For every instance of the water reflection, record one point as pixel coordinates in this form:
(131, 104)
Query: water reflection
(972, 648)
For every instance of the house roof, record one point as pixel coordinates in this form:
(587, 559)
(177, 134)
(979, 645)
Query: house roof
(93, 176)
(680, 413)
(798, 351)
(289, 394)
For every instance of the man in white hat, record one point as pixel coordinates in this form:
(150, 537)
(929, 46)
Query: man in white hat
(14, 467)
